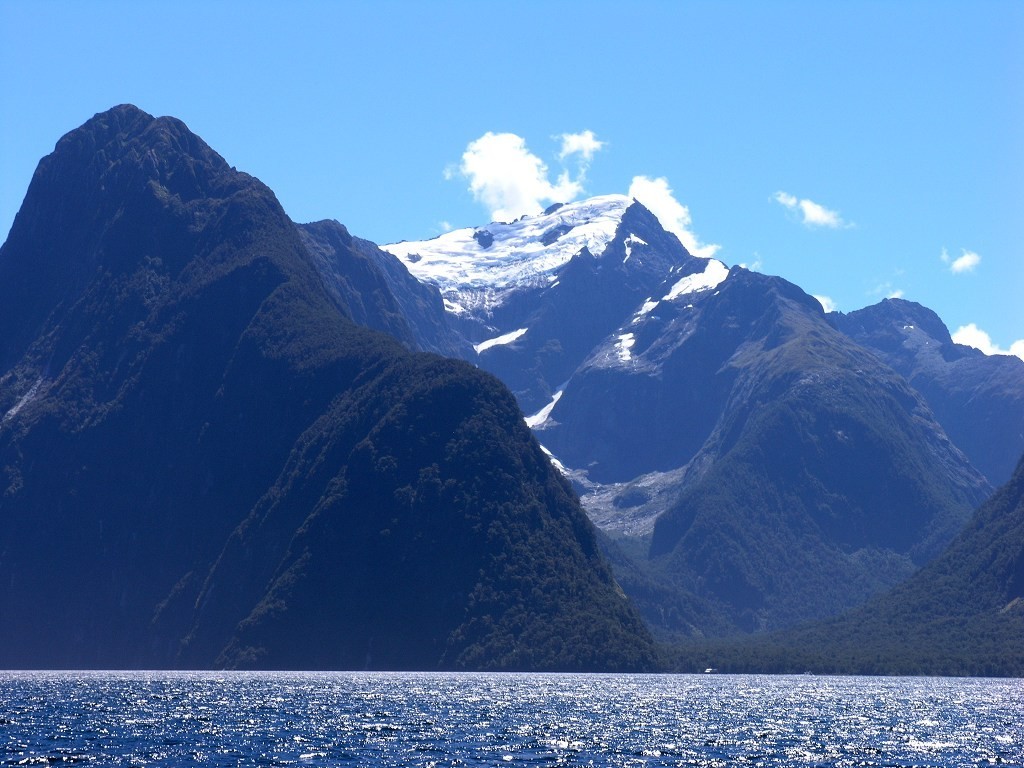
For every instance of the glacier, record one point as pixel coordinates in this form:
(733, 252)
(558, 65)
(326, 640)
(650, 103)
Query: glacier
(475, 266)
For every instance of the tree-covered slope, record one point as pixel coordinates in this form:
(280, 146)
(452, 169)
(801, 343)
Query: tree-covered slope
(479, 547)
(962, 614)
(177, 381)
(978, 398)
(825, 478)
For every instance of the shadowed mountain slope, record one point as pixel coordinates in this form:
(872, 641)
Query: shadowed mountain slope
(824, 478)
(978, 398)
(778, 469)
(376, 290)
(962, 614)
(179, 385)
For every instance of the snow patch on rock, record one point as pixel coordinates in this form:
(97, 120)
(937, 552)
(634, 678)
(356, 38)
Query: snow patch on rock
(27, 398)
(506, 338)
(713, 275)
(629, 243)
(624, 345)
(538, 419)
(488, 261)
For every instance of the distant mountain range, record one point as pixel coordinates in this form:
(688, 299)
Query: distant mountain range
(769, 462)
(237, 441)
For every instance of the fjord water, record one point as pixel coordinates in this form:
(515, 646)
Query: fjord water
(427, 719)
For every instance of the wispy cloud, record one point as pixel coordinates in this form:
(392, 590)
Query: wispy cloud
(581, 148)
(584, 144)
(966, 262)
(886, 290)
(511, 181)
(826, 303)
(754, 266)
(812, 214)
(656, 195)
(972, 336)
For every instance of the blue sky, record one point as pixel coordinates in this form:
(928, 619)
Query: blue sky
(859, 149)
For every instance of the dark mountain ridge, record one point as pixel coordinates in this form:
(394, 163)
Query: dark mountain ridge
(376, 291)
(180, 384)
(978, 398)
(811, 476)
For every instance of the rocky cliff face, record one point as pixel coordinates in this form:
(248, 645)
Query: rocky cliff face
(376, 291)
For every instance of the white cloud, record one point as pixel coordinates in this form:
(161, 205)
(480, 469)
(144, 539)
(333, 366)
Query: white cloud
(813, 214)
(580, 146)
(965, 263)
(886, 291)
(584, 144)
(756, 265)
(656, 195)
(509, 179)
(826, 303)
(972, 336)
(787, 200)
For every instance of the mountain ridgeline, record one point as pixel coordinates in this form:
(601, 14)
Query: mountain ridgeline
(978, 398)
(237, 441)
(757, 462)
(210, 459)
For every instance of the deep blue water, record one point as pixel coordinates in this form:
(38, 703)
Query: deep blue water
(318, 719)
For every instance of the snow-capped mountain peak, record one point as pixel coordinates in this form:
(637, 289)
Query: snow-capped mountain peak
(528, 251)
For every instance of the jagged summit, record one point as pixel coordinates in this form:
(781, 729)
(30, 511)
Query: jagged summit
(125, 135)
(478, 267)
(534, 296)
(893, 317)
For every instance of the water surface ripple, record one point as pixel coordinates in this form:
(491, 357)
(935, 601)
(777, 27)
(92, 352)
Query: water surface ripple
(402, 719)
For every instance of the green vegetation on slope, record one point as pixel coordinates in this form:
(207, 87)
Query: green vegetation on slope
(217, 466)
(963, 614)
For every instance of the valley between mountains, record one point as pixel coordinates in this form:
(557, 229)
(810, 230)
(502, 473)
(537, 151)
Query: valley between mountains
(558, 443)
